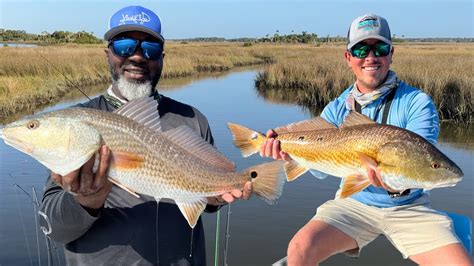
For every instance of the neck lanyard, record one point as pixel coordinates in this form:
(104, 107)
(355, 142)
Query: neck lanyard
(387, 102)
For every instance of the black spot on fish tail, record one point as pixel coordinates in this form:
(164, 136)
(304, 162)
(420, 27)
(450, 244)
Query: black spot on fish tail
(253, 174)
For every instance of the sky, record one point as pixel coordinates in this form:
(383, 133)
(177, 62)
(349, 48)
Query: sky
(245, 18)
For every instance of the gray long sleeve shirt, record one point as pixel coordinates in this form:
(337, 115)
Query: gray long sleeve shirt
(129, 230)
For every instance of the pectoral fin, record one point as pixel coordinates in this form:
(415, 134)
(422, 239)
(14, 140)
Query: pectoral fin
(368, 162)
(353, 184)
(192, 209)
(126, 160)
(293, 170)
(122, 186)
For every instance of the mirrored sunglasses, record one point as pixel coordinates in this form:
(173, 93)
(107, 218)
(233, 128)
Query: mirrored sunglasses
(362, 50)
(126, 47)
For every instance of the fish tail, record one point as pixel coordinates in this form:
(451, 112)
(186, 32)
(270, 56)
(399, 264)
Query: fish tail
(246, 139)
(267, 180)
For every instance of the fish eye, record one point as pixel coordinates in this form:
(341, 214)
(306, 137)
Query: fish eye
(33, 124)
(435, 165)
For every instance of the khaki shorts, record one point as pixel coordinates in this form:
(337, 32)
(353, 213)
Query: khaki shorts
(412, 229)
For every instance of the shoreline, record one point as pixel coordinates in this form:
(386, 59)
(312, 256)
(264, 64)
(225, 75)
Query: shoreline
(307, 75)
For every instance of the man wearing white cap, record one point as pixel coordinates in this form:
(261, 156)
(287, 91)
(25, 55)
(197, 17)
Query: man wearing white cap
(404, 217)
(101, 224)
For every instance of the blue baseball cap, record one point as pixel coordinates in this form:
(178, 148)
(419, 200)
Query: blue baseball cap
(134, 18)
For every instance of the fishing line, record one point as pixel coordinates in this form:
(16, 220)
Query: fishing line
(46, 231)
(216, 249)
(68, 81)
(50, 255)
(22, 223)
(227, 234)
(35, 205)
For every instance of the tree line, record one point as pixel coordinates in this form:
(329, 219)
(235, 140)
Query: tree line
(57, 37)
(83, 37)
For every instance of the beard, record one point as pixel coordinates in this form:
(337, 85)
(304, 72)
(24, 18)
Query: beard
(133, 90)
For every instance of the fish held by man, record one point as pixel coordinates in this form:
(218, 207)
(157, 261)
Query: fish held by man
(176, 164)
(403, 159)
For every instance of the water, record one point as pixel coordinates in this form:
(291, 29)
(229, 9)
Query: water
(22, 45)
(259, 233)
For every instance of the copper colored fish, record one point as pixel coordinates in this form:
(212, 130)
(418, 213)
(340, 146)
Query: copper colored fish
(404, 159)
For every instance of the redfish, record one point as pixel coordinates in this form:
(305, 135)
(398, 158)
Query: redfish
(176, 164)
(404, 159)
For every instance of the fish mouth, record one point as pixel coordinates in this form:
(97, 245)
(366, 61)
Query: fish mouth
(450, 183)
(15, 143)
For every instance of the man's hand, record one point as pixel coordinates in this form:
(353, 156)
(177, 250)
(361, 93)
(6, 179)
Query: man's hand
(232, 196)
(89, 189)
(271, 148)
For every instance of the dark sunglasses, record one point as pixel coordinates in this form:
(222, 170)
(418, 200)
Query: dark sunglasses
(126, 47)
(362, 50)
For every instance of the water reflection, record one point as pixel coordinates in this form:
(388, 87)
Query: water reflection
(290, 96)
(259, 233)
(75, 95)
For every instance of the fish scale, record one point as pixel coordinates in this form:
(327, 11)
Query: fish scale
(170, 166)
(402, 158)
(177, 164)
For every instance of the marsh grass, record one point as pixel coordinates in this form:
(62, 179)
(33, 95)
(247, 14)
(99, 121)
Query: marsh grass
(307, 75)
(316, 75)
(31, 77)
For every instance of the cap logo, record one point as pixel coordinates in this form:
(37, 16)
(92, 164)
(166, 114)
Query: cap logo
(137, 19)
(368, 23)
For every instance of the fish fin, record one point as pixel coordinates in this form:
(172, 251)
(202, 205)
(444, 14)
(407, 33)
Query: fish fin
(353, 184)
(144, 111)
(367, 161)
(186, 138)
(191, 210)
(293, 170)
(316, 123)
(126, 160)
(124, 187)
(267, 180)
(245, 139)
(354, 119)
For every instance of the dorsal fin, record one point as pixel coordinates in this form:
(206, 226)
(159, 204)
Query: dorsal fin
(143, 110)
(354, 119)
(186, 138)
(316, 123)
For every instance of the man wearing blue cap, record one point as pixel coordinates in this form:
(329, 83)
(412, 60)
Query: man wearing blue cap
(404, 217)
(103, 224)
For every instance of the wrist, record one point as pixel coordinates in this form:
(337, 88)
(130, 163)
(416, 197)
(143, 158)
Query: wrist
(93, 203)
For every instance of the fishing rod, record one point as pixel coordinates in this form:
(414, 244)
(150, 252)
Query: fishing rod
(23, 224)
(36, 206)
(227, 234)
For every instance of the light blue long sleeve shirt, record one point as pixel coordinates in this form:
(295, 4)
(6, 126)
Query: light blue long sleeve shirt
(411, 109)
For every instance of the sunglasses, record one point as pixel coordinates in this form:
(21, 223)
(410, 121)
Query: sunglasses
(362, 50)
(127, 47)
